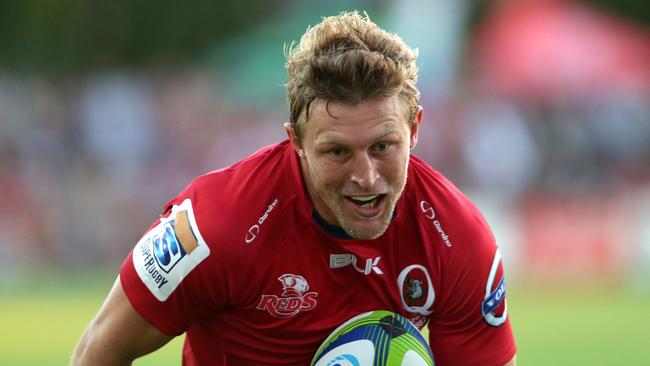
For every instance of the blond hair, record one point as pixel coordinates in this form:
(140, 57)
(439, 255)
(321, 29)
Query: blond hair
(348, 58)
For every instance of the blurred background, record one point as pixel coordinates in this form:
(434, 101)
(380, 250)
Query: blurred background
(538, 109)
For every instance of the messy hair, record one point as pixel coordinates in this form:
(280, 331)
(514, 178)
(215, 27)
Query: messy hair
(348, 58)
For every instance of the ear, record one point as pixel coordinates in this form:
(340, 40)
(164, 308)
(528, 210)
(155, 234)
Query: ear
(415, 126)
(293, 138)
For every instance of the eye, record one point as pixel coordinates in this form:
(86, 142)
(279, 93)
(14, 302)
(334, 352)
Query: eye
(383, 146)
(337, 152)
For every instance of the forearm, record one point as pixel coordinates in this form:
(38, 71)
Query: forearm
(118, 335)
(97, 351)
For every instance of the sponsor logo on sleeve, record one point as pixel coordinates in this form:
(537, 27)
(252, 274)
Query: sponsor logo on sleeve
(430, 214)
(254, 230)
(169, 251)
(494, 307)
(295, 297)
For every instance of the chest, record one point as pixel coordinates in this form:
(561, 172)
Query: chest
(287, 295)
(312, 283)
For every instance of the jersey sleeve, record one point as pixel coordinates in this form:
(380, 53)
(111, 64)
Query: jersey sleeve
(166, 275)
(470, 325)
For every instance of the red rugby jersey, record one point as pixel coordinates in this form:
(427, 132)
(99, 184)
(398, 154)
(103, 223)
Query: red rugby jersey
(242, 265)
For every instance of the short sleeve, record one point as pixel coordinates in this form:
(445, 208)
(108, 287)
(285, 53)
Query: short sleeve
(165, 275)
(470, 325)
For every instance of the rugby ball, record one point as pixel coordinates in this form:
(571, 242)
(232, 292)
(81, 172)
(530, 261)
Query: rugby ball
(375, 338)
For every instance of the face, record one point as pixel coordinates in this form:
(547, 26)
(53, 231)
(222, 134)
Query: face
(354, 161)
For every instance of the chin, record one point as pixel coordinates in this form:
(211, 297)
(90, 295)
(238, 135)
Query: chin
(365, 233)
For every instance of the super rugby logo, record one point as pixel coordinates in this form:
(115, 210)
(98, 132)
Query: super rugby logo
(294, 297)
(169, 251)
(168, 247)
(494, 307)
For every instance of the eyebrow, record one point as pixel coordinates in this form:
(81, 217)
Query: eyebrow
(328, 140)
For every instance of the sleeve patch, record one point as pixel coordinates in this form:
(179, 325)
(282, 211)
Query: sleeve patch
(170, 251)
(494, 307)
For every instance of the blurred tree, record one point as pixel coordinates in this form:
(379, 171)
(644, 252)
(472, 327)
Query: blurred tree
(636, 10)
(72, 36)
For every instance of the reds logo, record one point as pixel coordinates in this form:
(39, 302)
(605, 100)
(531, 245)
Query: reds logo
(294, 297)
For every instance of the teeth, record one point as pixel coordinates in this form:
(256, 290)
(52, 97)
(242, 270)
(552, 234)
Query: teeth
(364, 198)
(370, 204)
(370, 201)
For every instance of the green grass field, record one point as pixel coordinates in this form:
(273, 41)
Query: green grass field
(43, 317)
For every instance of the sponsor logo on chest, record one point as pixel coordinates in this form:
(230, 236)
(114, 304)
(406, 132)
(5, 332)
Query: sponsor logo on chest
(430, 214)
(344, 260)
(295, 297)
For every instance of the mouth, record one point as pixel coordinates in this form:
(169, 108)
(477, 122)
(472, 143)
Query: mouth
(366, 202)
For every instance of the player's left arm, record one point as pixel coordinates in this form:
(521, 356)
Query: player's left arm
(471, 324)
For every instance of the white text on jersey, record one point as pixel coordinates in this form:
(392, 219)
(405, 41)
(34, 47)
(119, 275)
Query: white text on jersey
(342, 260)
(254, 230)
(430, 214)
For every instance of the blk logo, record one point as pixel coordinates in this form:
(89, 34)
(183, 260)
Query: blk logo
(344, 260)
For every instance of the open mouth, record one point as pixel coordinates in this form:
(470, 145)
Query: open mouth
(368, 201)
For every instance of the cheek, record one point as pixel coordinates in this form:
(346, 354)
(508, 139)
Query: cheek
(326, 174)
(394, 170)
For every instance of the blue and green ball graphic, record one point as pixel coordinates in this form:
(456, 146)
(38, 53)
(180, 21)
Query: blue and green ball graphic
(375, 338)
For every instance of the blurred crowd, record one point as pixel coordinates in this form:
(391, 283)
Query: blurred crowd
(85, 167)
(87, 162)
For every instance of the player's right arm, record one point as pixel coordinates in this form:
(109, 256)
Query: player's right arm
(118, 334)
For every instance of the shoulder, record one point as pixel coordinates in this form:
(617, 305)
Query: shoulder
(438, 199)
(470, 283)
(202, 239)
(249, 174)
(470, 259)
(468, 247)
(230, 201)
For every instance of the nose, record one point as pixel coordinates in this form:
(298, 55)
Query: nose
(364, 172)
